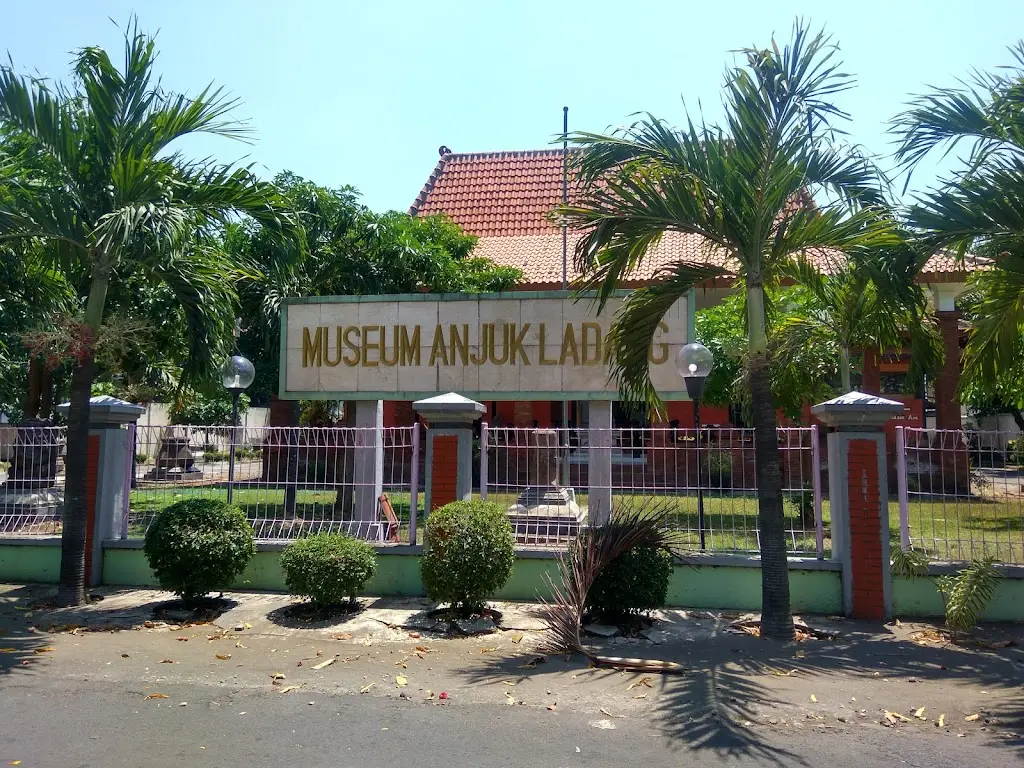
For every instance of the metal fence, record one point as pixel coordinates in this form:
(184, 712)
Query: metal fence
(31, 479)
(289, 481)
(543, 476)
(961, 494)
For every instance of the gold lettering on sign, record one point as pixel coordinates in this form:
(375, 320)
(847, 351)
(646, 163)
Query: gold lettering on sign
(662, 348)
(569, 346)
(516, 347)
(492, 352)
(384, 359)
(368, 345)
(409, 348)
(438, 349)
(591, 347)
(459, 343)
(352, 346)
(312, 348)
(544, 359)
(327, 347)
(480, 356)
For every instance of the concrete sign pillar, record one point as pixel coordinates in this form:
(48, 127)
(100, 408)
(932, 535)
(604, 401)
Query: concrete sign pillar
(599, 463)
(449, 458)
(859, 499)
(108, 480)
(368, 460)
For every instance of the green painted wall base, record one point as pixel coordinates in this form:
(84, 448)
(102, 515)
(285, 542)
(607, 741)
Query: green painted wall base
(35, 561)
(721, 587)
(919, 597)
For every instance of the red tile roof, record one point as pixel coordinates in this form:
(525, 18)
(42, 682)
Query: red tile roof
(505, 198)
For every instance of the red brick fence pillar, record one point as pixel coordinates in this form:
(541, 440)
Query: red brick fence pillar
(449, 460)
(859, 499)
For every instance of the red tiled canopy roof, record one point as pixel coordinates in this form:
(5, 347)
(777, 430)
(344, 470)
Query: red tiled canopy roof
(505, 198)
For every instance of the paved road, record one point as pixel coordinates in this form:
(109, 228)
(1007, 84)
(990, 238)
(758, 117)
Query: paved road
(49, 721)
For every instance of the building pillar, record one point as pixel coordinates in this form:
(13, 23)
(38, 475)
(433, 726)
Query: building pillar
(947, 402)
(368, 462)
(108, 477)
(859, 499)
(449, 455)
(599, 463)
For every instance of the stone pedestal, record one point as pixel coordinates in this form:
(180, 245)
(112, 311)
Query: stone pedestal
(545, 508)
(30, 495)
(174, 460)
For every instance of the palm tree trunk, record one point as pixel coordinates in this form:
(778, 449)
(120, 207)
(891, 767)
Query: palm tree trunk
(844, 369)
(776, 618)
(73, 519)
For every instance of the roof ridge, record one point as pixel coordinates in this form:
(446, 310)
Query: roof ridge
(504, 152)
(421, 198)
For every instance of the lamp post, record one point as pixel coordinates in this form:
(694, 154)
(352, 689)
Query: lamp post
(694, 363)
(236, 374)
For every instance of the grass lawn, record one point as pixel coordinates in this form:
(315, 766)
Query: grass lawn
(956, 529)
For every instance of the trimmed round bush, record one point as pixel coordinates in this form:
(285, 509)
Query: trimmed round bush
(198, 546)
(470, 553)
(328, 568)
(635, 581)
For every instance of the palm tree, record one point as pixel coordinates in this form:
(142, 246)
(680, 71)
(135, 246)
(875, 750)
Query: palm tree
(119, 199)
(745, 188)
(852, 310)
(982, 210)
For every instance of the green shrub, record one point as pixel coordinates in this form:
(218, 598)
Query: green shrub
(719, 466)
(199, 545)
(470, 553)
(635, 581)
(328, 568)
(141, 458)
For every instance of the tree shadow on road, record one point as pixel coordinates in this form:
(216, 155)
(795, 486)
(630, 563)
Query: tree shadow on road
(22, 647)
(737, 684)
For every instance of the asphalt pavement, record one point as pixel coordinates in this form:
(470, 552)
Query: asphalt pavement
(61, 722)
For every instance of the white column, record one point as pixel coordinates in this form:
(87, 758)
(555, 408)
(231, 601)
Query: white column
(368, 475)
(599, 460)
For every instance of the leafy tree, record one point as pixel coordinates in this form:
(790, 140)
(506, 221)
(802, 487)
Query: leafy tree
(121, 200)
(348, 250)
(745, 189)
(982, 208)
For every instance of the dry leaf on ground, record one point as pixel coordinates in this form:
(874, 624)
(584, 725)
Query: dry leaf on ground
(366, 688)
(166, 661)
(645, 681)
(223, 656)
(487, 650)
(342, 636)
(157, 696)
(972, 718)
(516, 637)
(8, 650)
(182, 639)
(46, 649)
(813, 697)
(277, 676)
(509, 682)
(327, 663)
(640, 696)
(919, 713)
(780, 673)
(942, 721)
(551, 707)
(401, 680)
(289, 688)
(800, 655)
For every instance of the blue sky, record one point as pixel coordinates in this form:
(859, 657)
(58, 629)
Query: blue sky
(364, 93)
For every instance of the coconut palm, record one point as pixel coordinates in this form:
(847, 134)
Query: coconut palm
(117, 199)
(746, 188)
(982, 209)
(852, 310)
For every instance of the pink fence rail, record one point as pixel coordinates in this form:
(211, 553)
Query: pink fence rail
(656, 465)
(31, 479)
(961, 494)
(290, 481)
